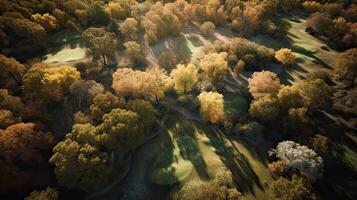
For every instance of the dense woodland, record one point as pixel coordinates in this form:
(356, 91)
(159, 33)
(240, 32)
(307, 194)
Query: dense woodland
(73, 129)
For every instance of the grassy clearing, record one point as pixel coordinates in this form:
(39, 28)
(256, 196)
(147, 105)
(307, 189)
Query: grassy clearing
(308, 50)
(207, 151)
(67, 54)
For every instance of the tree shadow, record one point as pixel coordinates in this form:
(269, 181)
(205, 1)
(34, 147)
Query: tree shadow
(243, 174)
(184, 134)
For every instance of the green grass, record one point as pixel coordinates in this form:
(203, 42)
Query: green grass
(66, 54)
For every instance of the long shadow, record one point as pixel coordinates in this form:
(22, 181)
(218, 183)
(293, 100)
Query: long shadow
(243, 174)
(341, 178)
(187, 143)
(254, 153)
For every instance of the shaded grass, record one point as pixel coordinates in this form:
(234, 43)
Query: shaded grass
(235, 105)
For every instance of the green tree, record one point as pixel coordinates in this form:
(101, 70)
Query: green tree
(81, 165)
(100, 43)
(97, 13)
(120, 130)
(147, 113)
(103, 104)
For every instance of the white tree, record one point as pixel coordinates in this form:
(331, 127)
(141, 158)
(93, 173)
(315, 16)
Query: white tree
(300, 157)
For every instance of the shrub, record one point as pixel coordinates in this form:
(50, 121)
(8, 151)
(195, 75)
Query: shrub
(207, 28)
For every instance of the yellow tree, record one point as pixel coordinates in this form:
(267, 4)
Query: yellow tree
(184, 77)
(285, 56)
(212, 106)
(214, 65)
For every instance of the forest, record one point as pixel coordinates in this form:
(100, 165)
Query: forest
(178, 99)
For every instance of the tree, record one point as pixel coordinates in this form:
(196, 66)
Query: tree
(285, 56)
(97, 14)
(59, 79)
(317, 93)
(84, 134)
(147, 113)
(219, 188)
(129, 28)
(212, 106)
(184, 77)
(7, 118)
(119, 10)
(323, 146)
(160, 21)
(23, 143)
(168, 60)
(296, 189)
(207, 28)
(297, 120)
(262, 83)
(277, 168)
(46, 20)
(346, 64)
(253, 54)
(11, 103)
(266, 108)
(214, 65)
(100, 43)
(81, 166)
(312, 6)
(300, 158)
(48, 194)
(23, 28)
(49, 83)
(11, 72)
(319, 22)
(103, 104)
(290, 97)
(149, 84)
(120, 130)
(156, 82)
(82, 92)
(133, 49)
